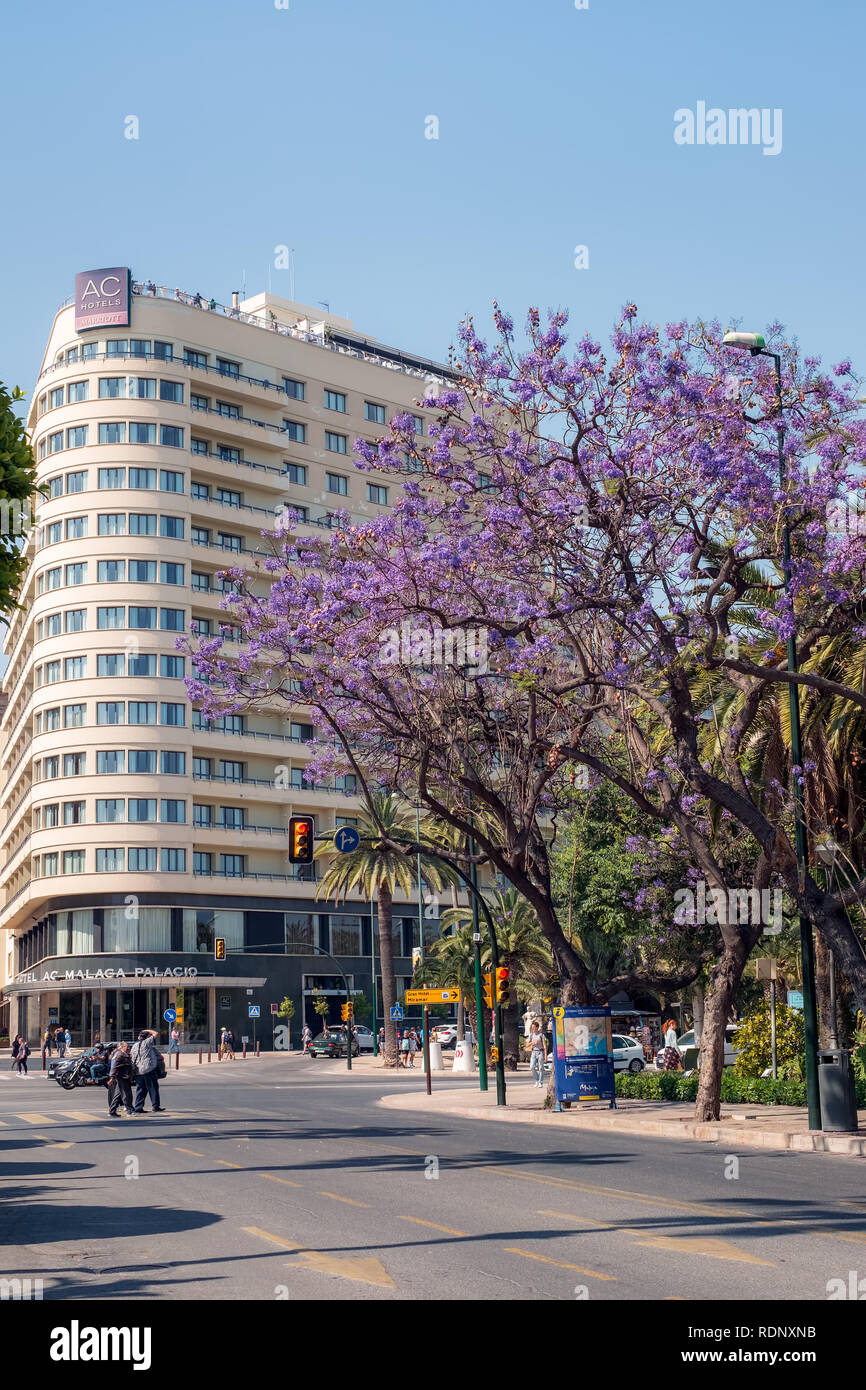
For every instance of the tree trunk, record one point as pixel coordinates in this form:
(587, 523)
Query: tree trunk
(724, 981)
(389, 981)
(511, 1025)
(822, 989)
(698, 1012)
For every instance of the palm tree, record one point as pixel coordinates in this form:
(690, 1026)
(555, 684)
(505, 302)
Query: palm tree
(379, 870)
(451, 961)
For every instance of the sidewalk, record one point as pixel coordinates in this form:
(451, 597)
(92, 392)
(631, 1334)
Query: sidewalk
(758, 1126)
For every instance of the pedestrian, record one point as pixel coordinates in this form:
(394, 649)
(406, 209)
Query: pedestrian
(228, 1044)
(212, 305)
(174, 1039)
(381, 1040)
(120, 1080)
(98, 1065)
(404, 1048)
(671, 1060)
(46, 1043)
(16, 1043)
(60, 1042)
(145, 1060)
(196, 301)
(22, 1055)
(413, 1047)
(537, 1052)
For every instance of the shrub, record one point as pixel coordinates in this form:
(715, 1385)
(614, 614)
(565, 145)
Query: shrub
(736, 1090)
(753, 1042)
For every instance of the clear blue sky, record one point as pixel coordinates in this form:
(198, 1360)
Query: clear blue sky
(261, 126)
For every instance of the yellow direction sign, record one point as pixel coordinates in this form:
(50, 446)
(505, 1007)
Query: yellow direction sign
(432, 996)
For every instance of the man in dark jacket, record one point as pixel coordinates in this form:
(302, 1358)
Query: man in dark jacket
(120, 1080)
(145, 1060)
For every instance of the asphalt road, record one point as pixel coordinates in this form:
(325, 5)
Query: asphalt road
(283, 1179)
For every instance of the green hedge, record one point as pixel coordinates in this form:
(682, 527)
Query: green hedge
(749, 1090)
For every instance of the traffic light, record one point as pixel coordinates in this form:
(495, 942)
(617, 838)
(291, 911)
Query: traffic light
(219, 948)
(494, 1055)
(503, 986)
(487, 987)
(347, 1012)
(301, 840)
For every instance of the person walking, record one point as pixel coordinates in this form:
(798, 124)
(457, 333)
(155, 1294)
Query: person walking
(67, 1037)
(229, 1044)
(413, 1048)
(120, 1080)
(22, 1055)
(671, 1060)
(404, 1048)
(306, 1039)
(381, 1041)
(174, 1039)
(537, 1043)
(16, 1043)
(145, 1061)
(60, 1042)
(47, 1043)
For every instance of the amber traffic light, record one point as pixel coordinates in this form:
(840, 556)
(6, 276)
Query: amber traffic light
(347, 1012)
(503, 986)
(487, 987)
(301, 839)
(219, 948)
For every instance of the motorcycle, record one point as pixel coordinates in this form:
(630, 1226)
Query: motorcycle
(79, 1074)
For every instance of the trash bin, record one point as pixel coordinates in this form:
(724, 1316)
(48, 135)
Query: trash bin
(837, 1092)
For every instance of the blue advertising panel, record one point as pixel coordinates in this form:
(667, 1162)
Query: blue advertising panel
(583, 1055)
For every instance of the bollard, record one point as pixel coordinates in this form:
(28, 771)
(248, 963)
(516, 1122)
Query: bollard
(208, 1051)
(199, 1056)
(245, 1052)
(177, 1060)
(258, 1049)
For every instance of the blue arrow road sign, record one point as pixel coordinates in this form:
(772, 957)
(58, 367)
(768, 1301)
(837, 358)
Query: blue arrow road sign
(254, 1011)
(170, 1015)
(396, 1012)
(346, 839)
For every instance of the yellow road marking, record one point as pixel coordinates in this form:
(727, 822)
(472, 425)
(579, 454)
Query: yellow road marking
(31, 1118)
(188, 1151)
(350, 1201)
(362, 1269)
(77, 1115)
(164, 1142)
(563, 1264)
(449, 1230)
(225, 1162)
(272, 1177)
(266, 1235)
(680, 1245)
(52, 1144)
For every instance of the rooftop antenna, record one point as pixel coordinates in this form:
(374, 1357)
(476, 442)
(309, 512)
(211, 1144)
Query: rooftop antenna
(325, 305)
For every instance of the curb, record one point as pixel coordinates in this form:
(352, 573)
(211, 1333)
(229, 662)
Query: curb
(845, 1145)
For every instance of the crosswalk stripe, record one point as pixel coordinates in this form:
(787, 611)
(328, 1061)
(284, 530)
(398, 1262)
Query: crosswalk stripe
(31, 1118)
(78, 1115)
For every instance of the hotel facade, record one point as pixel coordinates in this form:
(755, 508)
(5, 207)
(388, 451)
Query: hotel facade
(168, 432)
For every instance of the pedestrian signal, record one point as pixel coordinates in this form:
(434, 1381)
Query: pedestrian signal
(219, 948)
(301, 840)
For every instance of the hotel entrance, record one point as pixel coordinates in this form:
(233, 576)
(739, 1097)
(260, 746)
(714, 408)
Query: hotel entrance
(127, 1011)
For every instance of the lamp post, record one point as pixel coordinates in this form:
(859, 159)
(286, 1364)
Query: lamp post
(827, 850)
(754, 344)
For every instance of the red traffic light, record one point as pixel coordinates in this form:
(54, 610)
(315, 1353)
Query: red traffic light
(301, 840)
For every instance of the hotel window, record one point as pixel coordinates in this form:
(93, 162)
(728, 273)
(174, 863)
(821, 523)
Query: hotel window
(293, 388)
(108, 618)
(232, 865)
(52, 719)
(143, 665)
(232, 817)
(142, 712)
(171, 667)
(73, 861)
(49, 865)
(55, 488)
(171, 437)
(225, 408)
(42, 405)
(74, 764)
(75, 619)
(336, 443)
(171, 619)
(297, 782)
(51, 815)
(76, 437)
(171, 763)
(335, 482)
(43, 446)
(77, 573)
(335, 400)
(199, 582)
(54, 533)
(375, 493)
(197, 446)
(202, 768)
(76, 528)
(228, 496)
(198, 402)
(74, 668)
(141, 433)
(418, 424)
(345, 820)
(50, 673)
(231, 724)
(300, 733)
(296, 473)
(142, 523)
(110, 664)
(139, 347)
(110, 760)
(199, 535)
(142, 571)
(228, 368)
(112, 388)
(117, 347)
(76, 482)
(170, 481)
(54, 578)
(112, 524)
(172, 861)
(55, 398)
(194, 359)
(227, 454)
(345, 934)
(50, 768)
(142, 617)
(74, 812)
(172, 812)
(164, 352)
(111, 477)
(142, 388)
(202, 863)
(72, 354)
(74, 716)
(296, 431)
(110, 861)
(202, 815)
(143, 478)
(296, 512)
(347, 782)
(110, 811)
(172, 713)
(201, 626)
(142, 761)
(77, 391)
(114, 433)
(55, 442)
(374, 413)
(142, 860)
(171, 527)
(170, 573)
(227, 541)
(111, 712)
(141, 809)
(112, 571)
(231, 770)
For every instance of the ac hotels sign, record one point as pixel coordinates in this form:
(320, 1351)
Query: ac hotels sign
(101, 297)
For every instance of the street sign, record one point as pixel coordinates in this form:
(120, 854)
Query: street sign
(254, 1011)
(396, 1013)
(795, 999)
(346, 839)
(170, 1015)
(275, 1008)
(432, 996)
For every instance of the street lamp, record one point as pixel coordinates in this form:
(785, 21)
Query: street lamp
(827, 851)
(756, 346)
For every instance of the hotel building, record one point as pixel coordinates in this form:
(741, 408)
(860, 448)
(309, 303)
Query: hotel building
(168, 431)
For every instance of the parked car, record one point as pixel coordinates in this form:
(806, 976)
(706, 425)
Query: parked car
(627, 1053)
(365, 1037)
(333, 1044)
(445, 1034)
(687, 1040)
